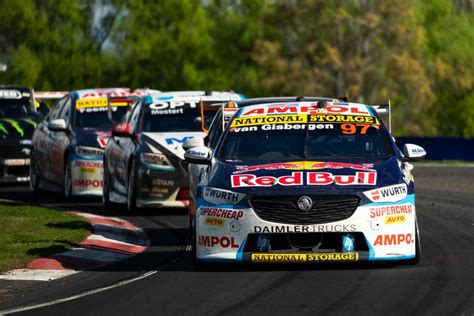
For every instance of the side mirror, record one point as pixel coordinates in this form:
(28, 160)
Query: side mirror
(414, 152)
(193, 142)
(122, 130)
(58, 125)
(198, 155)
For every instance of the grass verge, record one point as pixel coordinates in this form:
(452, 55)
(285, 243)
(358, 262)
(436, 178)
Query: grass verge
(29, 232)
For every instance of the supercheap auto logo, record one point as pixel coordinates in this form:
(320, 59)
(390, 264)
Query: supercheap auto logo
(304, 165)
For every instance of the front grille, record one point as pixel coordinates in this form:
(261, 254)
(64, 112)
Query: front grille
(325, 209)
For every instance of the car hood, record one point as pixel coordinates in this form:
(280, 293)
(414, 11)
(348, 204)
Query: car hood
(95, 137)
(16, 129)
(169, 144)
(338, 176)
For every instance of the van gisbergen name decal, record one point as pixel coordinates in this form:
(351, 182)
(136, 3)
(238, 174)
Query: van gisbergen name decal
(300, 178)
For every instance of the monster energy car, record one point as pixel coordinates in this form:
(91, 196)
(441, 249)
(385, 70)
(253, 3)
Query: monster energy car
(68, 145)
(143, 162)
(18, 119)
(306, 182)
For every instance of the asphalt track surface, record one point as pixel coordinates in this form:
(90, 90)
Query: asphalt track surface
(442, 284)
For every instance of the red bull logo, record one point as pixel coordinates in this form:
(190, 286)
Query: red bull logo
(297, 178)
(305, 165)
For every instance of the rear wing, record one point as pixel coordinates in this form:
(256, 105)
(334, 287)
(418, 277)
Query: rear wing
(49, 94)
(209, 108)
(39, 97)
(385, 109)
(119, 101)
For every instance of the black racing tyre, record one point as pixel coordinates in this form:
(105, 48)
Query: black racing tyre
(67, 189)
(106, 190)
(34, 176)
(197, 265)
(131, 189)
(417, 257)
(192, 228)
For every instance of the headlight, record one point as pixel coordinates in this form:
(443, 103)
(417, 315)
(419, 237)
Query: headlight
(156, 161)
(89, 152)
(221, 196)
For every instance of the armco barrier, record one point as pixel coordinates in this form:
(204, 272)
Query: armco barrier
(442, 148)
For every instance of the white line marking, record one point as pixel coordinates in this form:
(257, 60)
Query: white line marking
(70, 298)
(91, 292)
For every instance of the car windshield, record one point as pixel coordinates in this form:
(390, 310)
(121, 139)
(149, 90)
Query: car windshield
(96, 116)
(317, 137)
(15, 108)
(172, 120)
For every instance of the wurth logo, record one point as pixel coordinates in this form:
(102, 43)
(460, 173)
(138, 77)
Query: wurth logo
(375, 195)
(391, 193)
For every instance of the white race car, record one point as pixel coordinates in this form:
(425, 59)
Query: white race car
(306, 182)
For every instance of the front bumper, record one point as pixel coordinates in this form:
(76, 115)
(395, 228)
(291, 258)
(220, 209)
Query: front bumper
(14, 170)
(162, 187)
(379, 232)
(87, 176)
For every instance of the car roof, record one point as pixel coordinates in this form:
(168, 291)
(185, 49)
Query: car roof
(253, 101)
(102, 92)
(218, 96)
(21, 92)
(15, 87)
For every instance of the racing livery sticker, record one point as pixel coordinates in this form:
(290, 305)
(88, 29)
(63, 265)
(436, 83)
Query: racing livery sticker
(281, 127)
(91, 103)
(324, 118)
(394, 239)
(214, 221)
(220, 196)
(393, 193)
(213, 241)
(381, 211)
(305, 228)
(296, 179)
(270, 119)
(306, 108)
(312, 257)
(395, 219)
(221, 212)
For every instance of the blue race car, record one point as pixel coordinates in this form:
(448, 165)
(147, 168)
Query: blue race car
(306, 182)
(68, 145)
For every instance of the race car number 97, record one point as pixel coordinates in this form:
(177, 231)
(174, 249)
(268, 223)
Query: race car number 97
(351, 129)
